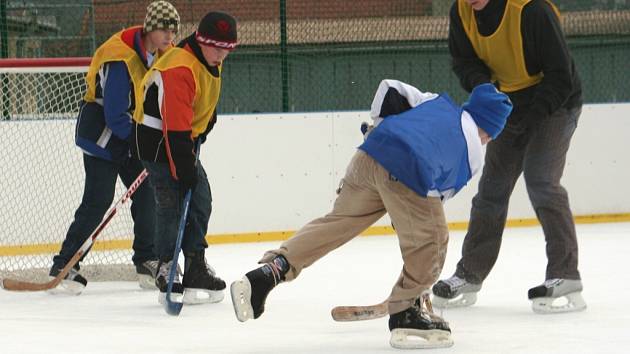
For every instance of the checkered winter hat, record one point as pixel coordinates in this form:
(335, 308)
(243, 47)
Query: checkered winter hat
(161, 15)
(217, 29)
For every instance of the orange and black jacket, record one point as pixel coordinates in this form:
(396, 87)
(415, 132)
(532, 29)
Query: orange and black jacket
(180, 94)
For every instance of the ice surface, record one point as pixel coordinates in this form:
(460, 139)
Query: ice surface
(118, 317)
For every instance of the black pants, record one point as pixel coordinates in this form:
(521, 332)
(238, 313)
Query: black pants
(98, 194)
(169, 197)
(540, 154)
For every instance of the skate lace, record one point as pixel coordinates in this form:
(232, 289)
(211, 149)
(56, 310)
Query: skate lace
(73, 273)
(210, 269)
(550, 283)
(425, 307)
(275, 271)
(152, 266)
(165, 269)
(455, 282)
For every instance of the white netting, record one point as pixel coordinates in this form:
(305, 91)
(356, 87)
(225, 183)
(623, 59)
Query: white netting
(42, 174)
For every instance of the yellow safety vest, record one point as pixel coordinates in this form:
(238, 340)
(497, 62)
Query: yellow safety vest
(502, 51)
(114, 49)
(207, 87)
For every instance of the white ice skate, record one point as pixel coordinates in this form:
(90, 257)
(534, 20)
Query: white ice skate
(67, 287)
(73, 284)
(241, 291)
(454, 292)
(146, 272)
(557, 296)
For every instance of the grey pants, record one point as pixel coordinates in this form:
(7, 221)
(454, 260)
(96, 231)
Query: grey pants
(367, 193)
(540, 154)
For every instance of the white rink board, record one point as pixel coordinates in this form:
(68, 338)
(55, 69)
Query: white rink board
(275, 172)
(255, 154)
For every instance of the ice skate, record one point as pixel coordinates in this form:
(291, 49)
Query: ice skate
(249, 294)
(161, 282)
(200, 281)
(146, 272)
(557, 296)
(419, 328)
(454, 292)
(72, 284)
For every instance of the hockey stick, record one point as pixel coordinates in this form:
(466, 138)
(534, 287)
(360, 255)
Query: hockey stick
(359, 313)
(17, 285)
(174, 308)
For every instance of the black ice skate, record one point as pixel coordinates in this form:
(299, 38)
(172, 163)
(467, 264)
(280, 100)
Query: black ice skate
(161, 282)
(418, 327)
(557, 295)
(454, 292)
(200, 281)
(146, 272)
(72, 284)
(249, 294)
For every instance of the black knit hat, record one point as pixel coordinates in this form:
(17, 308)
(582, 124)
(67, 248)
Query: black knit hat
(217, 29)
(161, 15)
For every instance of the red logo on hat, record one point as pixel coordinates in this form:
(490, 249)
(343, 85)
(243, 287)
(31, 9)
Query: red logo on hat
(223, 26)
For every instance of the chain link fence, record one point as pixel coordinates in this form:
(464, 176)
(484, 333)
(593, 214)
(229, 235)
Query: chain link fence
(302, 55)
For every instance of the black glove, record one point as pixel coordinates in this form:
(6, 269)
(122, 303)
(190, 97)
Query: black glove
(188, 177)
(202, 137)
(517, 128)
(364, 127)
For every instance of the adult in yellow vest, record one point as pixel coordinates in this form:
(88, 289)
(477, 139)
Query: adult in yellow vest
(519, 46)
(103, 132)
(180, 95)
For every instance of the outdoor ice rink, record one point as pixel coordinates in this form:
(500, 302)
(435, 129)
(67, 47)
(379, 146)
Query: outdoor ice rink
(118, 317)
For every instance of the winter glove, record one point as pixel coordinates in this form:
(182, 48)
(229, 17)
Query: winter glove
(202, 137)
(366, 129)
(187, 177)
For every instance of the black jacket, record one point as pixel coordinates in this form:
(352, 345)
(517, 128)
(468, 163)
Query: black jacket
(545, 51)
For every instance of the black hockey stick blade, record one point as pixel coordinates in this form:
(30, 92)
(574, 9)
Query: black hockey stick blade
(171, 307)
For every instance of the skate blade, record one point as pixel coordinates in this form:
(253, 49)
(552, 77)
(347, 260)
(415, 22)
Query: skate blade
(572, 302)
(241, 292)
(146, 282)
(175, 297)
(202, 296)
(67, 287)
(407, 338)
(463, 300)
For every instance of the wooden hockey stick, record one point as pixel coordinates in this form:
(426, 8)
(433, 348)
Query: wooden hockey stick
(359, 313)
(370, 312)
(17, 285)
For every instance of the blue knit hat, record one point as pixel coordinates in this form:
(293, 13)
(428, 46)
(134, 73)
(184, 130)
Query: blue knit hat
(489, 108)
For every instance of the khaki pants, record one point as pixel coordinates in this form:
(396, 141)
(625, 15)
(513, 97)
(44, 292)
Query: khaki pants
(367, 194)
